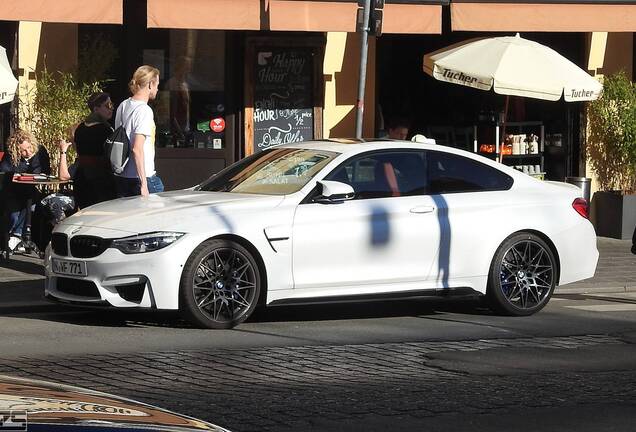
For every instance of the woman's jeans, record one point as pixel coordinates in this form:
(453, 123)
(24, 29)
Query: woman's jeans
(127, 187)
(16, 222)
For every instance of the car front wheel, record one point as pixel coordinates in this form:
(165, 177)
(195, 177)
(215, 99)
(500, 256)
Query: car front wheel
(522, 275)
(220, 285)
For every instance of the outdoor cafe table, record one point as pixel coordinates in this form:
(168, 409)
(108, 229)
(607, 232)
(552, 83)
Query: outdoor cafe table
(46, 182)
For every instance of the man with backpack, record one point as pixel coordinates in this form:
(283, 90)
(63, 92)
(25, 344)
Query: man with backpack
(133, 162)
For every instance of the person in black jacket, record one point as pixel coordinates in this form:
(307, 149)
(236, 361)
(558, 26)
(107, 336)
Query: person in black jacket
(24, 155)
(93, 180)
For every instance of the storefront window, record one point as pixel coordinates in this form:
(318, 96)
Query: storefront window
(190, 108)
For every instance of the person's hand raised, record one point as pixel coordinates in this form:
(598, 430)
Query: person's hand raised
(64, 145)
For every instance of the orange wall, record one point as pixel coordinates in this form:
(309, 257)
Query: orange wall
(341, 71)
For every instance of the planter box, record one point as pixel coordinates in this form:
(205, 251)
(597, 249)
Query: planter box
(613, 214)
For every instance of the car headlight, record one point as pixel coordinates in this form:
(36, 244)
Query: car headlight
(145, 242)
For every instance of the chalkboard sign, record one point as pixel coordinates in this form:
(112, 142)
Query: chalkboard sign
(283, 96)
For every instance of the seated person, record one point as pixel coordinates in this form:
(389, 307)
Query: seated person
(23, 155)
(398, 128)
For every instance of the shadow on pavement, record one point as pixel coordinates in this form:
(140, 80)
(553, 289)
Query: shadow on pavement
(26, 300)
(367, 310)
(23, 264)
(21, 293)
(103, 317)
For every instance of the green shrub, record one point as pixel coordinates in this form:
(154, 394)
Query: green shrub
(53, 107)
(611, 144)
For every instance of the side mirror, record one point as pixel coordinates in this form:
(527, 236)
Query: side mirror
(334, 192)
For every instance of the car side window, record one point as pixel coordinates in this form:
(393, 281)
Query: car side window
(451, 173)
(383, 174)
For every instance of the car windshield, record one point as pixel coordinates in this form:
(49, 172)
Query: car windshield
(278, 171)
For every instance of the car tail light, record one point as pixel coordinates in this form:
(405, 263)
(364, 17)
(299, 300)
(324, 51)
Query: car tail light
(581, 207)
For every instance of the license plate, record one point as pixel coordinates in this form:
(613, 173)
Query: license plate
(71, 268)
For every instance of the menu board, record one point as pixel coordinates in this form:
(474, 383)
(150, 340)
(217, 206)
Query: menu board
(283, 96)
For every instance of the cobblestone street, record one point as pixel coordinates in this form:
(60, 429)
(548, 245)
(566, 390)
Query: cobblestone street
(289, 388)
(434, 365)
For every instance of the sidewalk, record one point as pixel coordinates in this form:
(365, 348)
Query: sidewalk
(616, 272)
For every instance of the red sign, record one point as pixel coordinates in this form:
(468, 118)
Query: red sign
(217, 124)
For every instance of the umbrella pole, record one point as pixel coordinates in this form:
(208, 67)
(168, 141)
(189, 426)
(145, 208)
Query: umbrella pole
(503, 127)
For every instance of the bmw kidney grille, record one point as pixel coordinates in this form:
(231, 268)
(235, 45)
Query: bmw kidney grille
(88, 246)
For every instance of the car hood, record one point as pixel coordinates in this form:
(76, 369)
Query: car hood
(176, 211)
(52, 404)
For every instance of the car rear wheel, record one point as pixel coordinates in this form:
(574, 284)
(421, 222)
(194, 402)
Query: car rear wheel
(522, 275)
(220, 285)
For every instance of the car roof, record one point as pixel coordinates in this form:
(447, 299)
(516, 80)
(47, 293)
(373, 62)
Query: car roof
(353, 145)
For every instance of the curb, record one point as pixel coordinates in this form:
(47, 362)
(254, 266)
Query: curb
(595, 289)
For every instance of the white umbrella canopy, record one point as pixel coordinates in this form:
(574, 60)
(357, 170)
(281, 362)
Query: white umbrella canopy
(513, 66)
(8, 83)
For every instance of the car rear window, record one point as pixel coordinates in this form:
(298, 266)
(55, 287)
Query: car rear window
(450, 173)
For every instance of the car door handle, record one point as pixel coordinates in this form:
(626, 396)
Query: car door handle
(423, 209)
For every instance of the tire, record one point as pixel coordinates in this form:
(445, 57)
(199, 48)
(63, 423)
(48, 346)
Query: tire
(522, 275)
(220, 285)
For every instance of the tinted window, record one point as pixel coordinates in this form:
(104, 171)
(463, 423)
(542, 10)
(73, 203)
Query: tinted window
(385, 174)
(448, 173)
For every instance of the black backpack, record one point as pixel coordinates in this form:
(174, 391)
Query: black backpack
(117, 147)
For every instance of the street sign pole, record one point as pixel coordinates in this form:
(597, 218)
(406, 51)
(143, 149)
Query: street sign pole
(363, 29)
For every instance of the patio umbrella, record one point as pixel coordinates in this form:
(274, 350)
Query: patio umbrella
(8, 83)
(512, 66)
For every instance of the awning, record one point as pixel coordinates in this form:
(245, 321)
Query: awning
(412, 18)
(321, 16)
(205, 14)
(564, 16)
(63, 11)
(308, 15)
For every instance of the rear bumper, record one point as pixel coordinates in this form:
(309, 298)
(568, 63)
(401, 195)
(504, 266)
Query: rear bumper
(578, 253)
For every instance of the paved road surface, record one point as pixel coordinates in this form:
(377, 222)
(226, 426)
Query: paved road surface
(425, 365)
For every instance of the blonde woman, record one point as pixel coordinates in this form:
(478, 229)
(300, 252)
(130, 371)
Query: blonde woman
(139, 176)
(24, 155)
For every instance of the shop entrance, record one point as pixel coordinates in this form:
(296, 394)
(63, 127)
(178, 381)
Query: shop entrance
(455, 115)
(198, 103)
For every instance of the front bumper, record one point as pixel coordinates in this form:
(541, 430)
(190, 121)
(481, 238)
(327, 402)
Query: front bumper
(145, 280)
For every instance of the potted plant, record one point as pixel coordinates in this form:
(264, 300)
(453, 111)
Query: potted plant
(611, 152)
(52, 108)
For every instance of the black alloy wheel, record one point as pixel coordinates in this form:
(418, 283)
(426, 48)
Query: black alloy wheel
(220, 285)
(523, 275)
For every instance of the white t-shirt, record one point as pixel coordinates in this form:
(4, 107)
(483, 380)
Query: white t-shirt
(139, 119)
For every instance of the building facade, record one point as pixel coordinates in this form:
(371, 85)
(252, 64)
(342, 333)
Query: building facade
(238, 76)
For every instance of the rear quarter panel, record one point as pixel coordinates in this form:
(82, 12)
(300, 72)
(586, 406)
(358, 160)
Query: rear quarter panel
(478, 223)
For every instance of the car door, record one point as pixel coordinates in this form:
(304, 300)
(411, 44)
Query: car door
(467, 195)
(384, 239)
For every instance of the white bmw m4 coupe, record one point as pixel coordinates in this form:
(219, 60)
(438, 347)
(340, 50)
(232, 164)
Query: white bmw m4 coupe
(329, 220)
